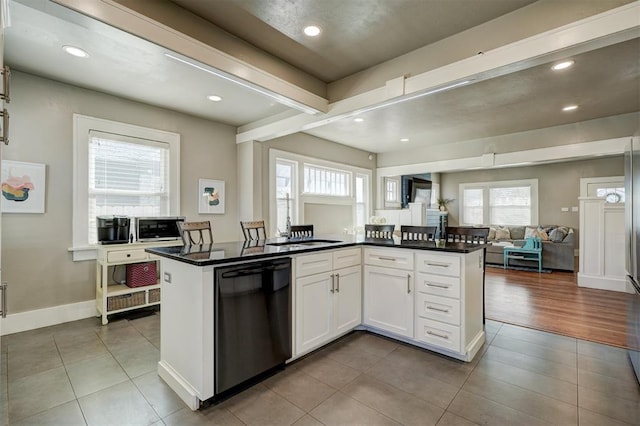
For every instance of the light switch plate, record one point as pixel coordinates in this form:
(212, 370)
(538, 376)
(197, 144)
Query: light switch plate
(167, 277)
(574, 208)
(564, 209)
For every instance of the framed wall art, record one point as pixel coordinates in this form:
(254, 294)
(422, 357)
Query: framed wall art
(210, 196)
(23, 187)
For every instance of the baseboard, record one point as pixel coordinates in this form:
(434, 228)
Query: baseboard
(29, 320)
(602, 283)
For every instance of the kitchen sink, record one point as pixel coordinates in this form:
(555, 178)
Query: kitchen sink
(296, 242)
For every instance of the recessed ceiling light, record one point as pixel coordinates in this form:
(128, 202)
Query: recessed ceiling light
(311, 30)
(404, 140)
(562, 65)
(358, 120)
(214, 98)
(570, 108)
(75, 51)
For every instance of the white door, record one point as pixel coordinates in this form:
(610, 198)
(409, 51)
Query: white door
(347, 309)
(4, 411)
(388, 299)
(314, 306)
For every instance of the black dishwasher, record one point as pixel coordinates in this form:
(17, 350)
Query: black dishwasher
(252, 321)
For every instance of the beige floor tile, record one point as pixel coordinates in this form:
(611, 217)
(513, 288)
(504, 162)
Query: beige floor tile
(33, 360)
(329, 371)
(620, 409)
(299, 388)
(486, 412)
(535, 364)
(95, 374)
(341, 409)
(68, 414)
(621, 388)
(603, 352)
(308, 420)
(86, 346)
(138, 359)
(417, 382)
(393, 402)
(532, 403)
(261, 406)
(450, 419)
(121, 404)
(209, 416)
(49, 388)
(589, 418)
(548, 340)
(163, 400)
(545, 385)
(533, 349)
(618, 370)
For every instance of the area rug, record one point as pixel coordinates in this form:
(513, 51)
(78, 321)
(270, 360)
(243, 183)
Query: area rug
(519, 268)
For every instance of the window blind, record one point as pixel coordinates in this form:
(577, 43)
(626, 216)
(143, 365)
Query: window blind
(127, 176)
(510, 206)
(472, 212)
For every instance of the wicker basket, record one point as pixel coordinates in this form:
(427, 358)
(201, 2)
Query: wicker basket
(154, 295)
(125, 301)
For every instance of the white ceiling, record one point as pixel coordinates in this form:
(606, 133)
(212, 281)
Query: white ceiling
(357, 35)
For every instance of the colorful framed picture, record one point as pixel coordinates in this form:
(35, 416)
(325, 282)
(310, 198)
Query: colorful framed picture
(210, 196)
(23, 187)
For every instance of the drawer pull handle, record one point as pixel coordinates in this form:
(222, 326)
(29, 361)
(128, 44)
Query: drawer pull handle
(433, 308)
(444, 336)
(333, 283)
(436, 285)
(440, 265)
(391, 259)
(337, 283)
(408, 283)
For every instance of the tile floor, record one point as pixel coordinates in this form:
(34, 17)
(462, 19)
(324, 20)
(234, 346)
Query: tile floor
(82, 373)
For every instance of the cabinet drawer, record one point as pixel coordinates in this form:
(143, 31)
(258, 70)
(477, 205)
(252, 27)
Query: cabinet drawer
(438, 308)
(126, 255)
(346, 258)
(438, 264)
(398, 259)
(313, 264)
(438, 333)
(438, 285)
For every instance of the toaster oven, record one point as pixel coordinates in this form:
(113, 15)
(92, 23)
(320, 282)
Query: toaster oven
(158, 228)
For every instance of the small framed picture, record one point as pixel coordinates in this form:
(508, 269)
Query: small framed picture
(211, 196)
(23, 187)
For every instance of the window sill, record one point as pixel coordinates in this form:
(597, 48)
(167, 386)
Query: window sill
(82, 253)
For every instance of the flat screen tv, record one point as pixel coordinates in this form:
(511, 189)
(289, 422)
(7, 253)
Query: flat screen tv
(415, 190)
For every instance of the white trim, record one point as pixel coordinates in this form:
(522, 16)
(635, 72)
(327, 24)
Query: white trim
(181, 387)
(528, 157)
(585, 182)
(597, 31)
(82, 125)
(38, 318)
(603, 283)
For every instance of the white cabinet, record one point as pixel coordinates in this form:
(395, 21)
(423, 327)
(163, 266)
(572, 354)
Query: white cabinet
(112, 294)
(389, 290)
(328, 296)
(449, 302)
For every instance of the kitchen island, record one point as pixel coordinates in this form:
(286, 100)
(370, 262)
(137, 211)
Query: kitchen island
(428, 294)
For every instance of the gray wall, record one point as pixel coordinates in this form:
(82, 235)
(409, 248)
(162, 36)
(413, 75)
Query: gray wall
(558, 186)
(35, 258)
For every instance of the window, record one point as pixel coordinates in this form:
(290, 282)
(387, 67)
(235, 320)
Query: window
(312, 185)
(391, 192)
(499, 203)
(285, 194)
(121, 169)
(324, 181)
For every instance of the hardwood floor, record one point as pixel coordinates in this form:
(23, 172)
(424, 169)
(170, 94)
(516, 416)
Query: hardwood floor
(554, 302)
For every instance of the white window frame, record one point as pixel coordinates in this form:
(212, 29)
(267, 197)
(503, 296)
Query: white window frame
(82, 125)
(302, 199)
(486, 186)
(391, 199)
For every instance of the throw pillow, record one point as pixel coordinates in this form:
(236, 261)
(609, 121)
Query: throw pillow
(542, 233)
(557, 235)
(503, 233)
(529, 231)
(492, 233)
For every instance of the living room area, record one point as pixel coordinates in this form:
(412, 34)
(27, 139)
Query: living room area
(546, 201)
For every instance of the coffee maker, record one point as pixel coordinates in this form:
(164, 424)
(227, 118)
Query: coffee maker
(113, 229)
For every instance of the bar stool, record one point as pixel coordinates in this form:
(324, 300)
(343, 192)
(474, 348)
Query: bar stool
(253, 230)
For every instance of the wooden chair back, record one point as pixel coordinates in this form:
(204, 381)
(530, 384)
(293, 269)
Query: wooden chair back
(379, 231)
(418, 233)
(467, 234)
(254, 230)
(300, 231)
(195, 233)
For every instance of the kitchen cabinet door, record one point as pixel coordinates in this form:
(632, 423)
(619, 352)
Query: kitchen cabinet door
(348, 299)
(314, 311)
(388, 300)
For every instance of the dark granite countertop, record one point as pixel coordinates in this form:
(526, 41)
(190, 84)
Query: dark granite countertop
(218, 253)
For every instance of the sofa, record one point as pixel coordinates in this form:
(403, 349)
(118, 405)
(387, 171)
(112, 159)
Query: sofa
(558, 244)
